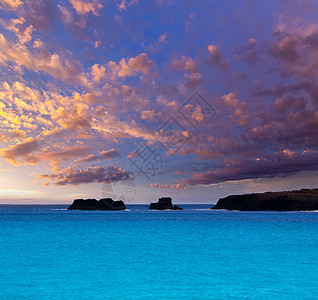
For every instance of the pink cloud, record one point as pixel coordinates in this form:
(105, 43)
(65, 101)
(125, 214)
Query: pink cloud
(184, 63)
(106, 154)
(148, 115)
(64, 154)
(250, 53)
(122, 5)
(192, 79)
(14, 134)
(109, 154)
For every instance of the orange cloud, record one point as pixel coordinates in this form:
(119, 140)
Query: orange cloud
(22, 150)
(73, 118)
(11, 4)
(22, 31)
(98, 72)
(138, 64)
(83, 7)
(148, 115)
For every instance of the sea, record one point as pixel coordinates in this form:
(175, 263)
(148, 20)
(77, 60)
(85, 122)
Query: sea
(49, 252)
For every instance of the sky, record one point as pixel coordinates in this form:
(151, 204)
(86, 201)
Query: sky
(135, 100)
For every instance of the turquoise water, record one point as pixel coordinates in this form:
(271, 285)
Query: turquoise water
(47, 252)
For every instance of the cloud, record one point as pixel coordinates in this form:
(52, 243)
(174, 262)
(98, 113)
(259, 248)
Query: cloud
(106, 154)
(109, 154)
(286, 49)
(75, 117)
(18, 26)
(140, 63)
(11, 4)
(131, 66)
(279, 164)
(88, 158)
(148, 115)
(84, 7)
(296, 51)
(117, 98)
(238, 110)
(41, 14)
(64, 154)
(22, 150)
(2, 138)
(27, 152)
(184, 63)
(177, 186)
(215, 57)
(98, 72)
(250, 53)
(25, 107)
(122, 5)
(13, 134)
(40, 59)
(132, 154)
(163, 38)
(71, 176)
(166, 2)
(192, 79)
(83, 115)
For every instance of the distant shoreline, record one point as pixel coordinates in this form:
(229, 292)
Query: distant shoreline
(295, 200)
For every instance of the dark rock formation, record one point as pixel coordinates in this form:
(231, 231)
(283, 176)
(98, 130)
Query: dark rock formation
(164, 203)
(93, 204)
(305, 199)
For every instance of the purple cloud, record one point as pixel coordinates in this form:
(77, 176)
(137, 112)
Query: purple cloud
(72, 176)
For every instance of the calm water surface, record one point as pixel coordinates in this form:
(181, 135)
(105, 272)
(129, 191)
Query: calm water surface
(47, 252)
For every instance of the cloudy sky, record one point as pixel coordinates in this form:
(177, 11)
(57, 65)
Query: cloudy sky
(141, 99)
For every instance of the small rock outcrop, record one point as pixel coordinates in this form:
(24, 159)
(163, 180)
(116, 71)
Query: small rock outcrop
(164, 203)
(305, 199)
(93, 204)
